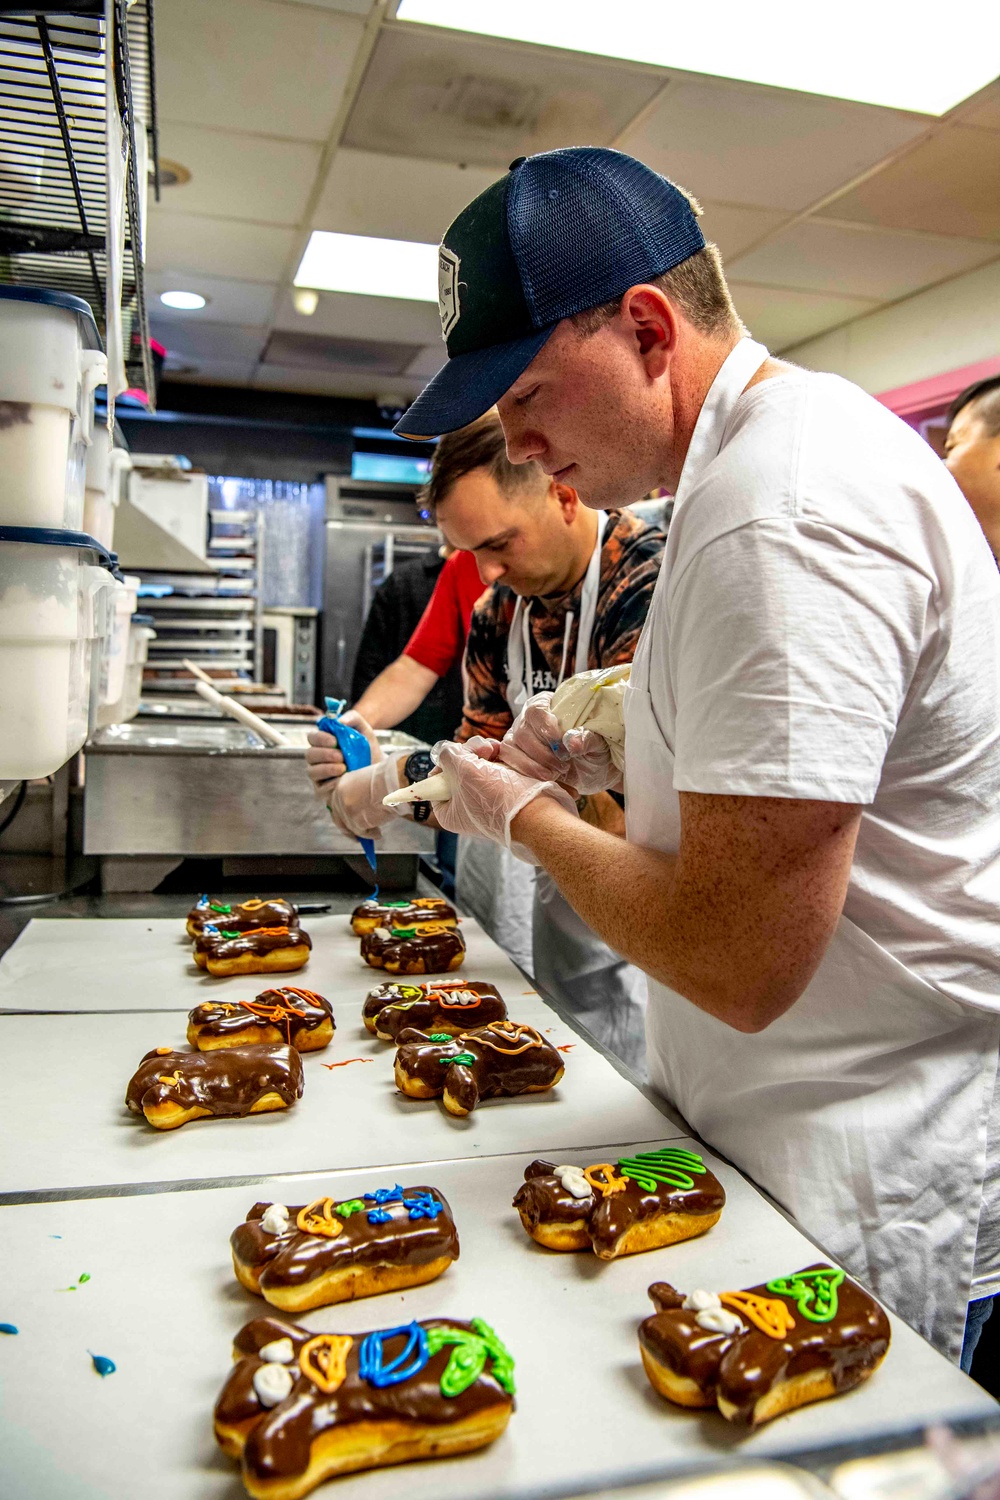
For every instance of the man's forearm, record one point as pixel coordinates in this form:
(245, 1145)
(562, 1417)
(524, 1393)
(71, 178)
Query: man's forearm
(395, 693)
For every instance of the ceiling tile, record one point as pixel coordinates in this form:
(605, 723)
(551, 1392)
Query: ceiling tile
(210, 341)
(349, 7)
(255, 66)
(458, 98)
(247, 302)
(779, 317)
(344, 315)
(823, 257)
(312, 351)
(733, 227)
(219, 247)
(233, 174)
(744, 144)
(212, 372)
(942, 186)
(321, 383)
(427, 362)
(395, 196)
(982, 110)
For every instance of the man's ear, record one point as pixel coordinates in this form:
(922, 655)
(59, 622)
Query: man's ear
(567, 499)
(651, 322)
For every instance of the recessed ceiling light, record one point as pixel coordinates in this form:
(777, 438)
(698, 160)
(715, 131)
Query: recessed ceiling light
(305, 300)
(183, 301)
(172, 174)
(873, 52)
(371, 267)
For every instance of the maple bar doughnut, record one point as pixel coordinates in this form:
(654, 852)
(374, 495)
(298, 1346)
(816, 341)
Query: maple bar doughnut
(490, 1062)
(433, 948)
(759, 1353)
(327, 1251)
(299, 1408)
(241, 916)
(638, 1203)
(300, 1018)
(371, 914)
(260, 950)
(170, 1088)
(450, 1006)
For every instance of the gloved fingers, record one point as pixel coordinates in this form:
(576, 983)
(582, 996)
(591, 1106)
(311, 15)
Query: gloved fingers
(324, 762)
(484, 748)
(590, 767)
(485, 795)
(355, 721)
(356, 800)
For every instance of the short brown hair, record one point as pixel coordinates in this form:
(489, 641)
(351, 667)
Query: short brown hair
(481, 445)
(697, 285)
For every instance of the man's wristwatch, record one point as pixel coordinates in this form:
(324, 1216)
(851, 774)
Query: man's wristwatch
(418, 767)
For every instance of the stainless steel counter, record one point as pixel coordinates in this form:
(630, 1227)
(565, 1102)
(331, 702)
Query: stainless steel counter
(161, 789)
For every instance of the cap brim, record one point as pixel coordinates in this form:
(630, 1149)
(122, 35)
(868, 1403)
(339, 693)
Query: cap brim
(468, 385)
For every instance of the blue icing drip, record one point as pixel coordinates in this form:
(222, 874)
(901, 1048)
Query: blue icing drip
(7, 1328)
(102, 1364)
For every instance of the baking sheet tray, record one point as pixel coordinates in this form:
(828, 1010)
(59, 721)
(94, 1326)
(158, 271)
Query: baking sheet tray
(144, 964)
(67, 1076)
(162, 1302)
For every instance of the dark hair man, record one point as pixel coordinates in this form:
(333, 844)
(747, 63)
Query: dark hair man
(566, 589)
(972, 453)
(811, 876)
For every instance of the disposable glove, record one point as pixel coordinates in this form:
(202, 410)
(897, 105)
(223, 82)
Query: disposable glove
(324, 762)
(535, 746)
(486, 795)
(356, 798)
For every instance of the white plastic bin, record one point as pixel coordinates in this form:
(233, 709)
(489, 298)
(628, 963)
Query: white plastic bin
(107, 471)
(139, 638)
(50, 365)
(56, 601)
(114, 649)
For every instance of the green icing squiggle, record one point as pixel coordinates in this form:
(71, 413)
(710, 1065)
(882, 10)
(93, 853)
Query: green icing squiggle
(814, 1292)
(671, 1164)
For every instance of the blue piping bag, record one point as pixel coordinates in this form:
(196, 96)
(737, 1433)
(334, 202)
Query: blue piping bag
(357, 753)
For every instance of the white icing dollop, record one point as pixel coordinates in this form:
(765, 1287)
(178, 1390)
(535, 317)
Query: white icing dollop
(384, 934)
(719, 1320)
(275, 1219)
(700, 1301)
(573, 1181)
(272, 1383)
(277, 1352)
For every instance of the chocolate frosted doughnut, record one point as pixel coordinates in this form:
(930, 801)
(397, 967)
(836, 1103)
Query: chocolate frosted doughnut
(241, 916)
(299, 1407)
(451, 1006)
(620, 1208)
(432, 948)
(326, 1251)
(758, 1353)
(259, 950)
(392, 914)
(499, 1060)
(300, 1018)
(170, 1087)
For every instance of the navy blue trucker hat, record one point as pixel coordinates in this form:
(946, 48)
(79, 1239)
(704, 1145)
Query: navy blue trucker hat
(562, 232)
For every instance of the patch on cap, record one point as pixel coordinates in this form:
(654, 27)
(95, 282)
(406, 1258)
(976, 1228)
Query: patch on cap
(449, 305)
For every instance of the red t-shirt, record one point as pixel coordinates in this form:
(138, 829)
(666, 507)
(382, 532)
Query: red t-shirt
(439, 640)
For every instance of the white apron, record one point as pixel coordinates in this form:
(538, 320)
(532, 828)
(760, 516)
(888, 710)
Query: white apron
(863, 1109)
(571, 963)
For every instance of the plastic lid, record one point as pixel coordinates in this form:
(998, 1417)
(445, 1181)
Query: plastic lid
(51, 536)
(42, 294)
(149, 620)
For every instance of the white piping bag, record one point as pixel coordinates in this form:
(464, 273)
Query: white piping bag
(589, 700)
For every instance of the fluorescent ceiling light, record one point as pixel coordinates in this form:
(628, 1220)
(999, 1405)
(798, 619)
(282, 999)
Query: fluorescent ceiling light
(873, 51)
(183, 301)
(373, 268)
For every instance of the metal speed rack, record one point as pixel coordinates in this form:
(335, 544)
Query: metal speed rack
(54, 80)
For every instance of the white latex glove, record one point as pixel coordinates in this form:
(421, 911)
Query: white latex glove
(324, 762)
(535, 746)
(486, 795)
(356, 798)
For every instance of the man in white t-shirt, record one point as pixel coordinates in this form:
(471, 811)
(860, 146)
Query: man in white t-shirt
(811, 879)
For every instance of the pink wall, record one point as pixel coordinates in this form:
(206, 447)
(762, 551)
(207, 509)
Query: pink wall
(928, 398)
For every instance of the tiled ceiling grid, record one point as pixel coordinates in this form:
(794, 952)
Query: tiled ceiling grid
(299, 114)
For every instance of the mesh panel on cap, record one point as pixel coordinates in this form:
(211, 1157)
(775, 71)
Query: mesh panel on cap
(585, 224)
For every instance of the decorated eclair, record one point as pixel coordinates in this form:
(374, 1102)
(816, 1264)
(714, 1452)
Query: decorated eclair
(259, 950)
(439, 1005)
(756, 1354)
(328, 1251)
(371, 914)
(301, 1407)
(240, 916)
(170, 1088)
(620, 1208)
(300, 1018)
(498, 1060)
(432, 948)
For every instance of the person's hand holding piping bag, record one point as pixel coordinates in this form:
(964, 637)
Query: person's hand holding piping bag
(536, 746)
